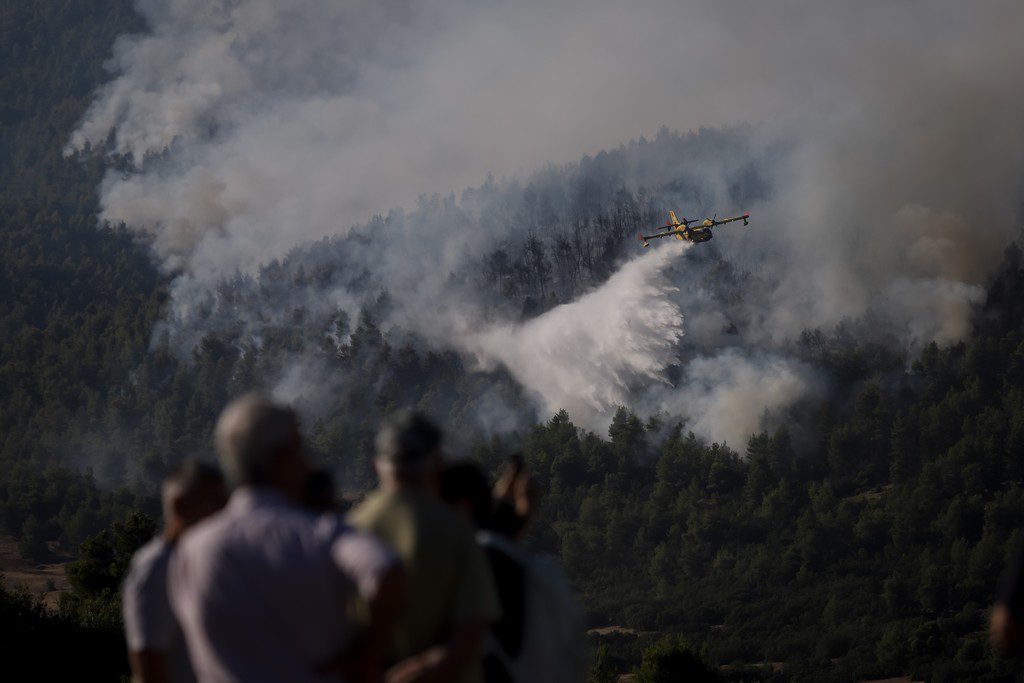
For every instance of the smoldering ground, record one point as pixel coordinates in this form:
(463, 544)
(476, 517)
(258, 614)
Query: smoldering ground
(882, 164)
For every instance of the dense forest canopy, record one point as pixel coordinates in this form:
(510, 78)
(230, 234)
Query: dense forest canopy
(856, 531)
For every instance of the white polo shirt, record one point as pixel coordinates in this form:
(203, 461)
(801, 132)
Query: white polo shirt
(149, 623)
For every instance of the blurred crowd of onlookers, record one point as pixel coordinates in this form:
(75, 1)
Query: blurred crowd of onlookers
(258, 576)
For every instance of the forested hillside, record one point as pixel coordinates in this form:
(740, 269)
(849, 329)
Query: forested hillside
(76, 299)
(862, 535)
(76, 304)
(874, 555)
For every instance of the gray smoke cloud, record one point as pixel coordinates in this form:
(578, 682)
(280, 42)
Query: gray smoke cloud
(731, 395)
(255, 126)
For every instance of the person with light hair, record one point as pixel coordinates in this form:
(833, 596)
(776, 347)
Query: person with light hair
(156, 647)
(451, 597)
(264, 590)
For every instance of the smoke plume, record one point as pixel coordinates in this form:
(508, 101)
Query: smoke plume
(729, 395)
(890, 133)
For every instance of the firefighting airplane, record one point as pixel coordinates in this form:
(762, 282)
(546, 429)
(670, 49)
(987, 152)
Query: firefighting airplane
(690, 231)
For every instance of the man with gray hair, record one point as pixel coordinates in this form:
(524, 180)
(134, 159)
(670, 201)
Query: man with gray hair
(451, 596)
(156, 648)
(263, 589)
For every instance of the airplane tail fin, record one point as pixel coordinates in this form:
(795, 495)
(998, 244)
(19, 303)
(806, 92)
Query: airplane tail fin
(746, 217)
(676, 224)
(644, 241)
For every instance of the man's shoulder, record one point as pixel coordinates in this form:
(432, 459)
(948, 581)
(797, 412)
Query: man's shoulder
(420, 509)
(148, 621)
(330, 526)
(149, 562)
(204, 532)
(376, 505)
(154, 550)
(259, 531)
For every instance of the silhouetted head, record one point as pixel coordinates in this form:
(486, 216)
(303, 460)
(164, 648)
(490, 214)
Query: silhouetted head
(515, 499)
(464, 485)
(259, 444)
(408, 450)
(191, 492)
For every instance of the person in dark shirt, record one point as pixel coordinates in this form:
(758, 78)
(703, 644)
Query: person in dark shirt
(465, 487)
(540, 637)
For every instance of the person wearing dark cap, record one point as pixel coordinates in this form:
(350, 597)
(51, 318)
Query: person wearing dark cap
(451, 598)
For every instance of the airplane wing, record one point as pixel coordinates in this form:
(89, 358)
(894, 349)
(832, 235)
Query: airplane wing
(674, 222)
(745, 217)
(670, 233)
(678, 234)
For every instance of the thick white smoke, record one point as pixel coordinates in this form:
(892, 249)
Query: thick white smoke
(256, 125)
